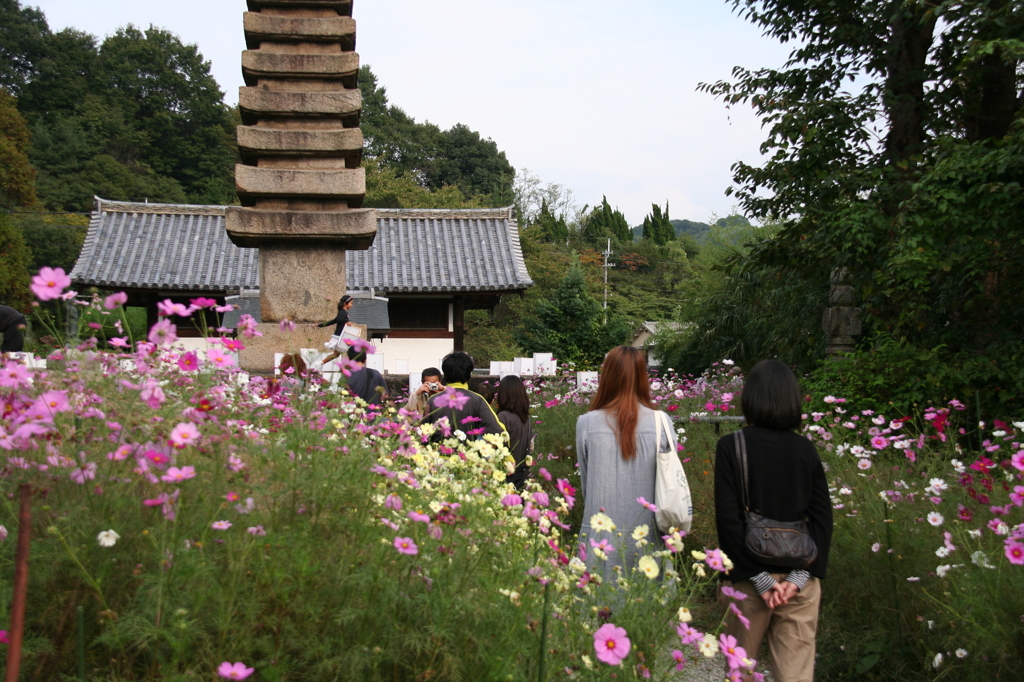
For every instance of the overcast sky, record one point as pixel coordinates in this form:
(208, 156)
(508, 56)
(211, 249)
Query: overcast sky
(599, 96)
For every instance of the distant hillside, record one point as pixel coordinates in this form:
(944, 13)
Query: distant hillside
(689, 227)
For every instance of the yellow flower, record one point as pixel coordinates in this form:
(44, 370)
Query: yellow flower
(699, 570)
(601, 521)
(699, 556)
(640, 532)
(684, 615)
(587, 662)
(727, 561)
(649, 566)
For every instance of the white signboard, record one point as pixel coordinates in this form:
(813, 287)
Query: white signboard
(523, 366)
(586, 381)
(543, 364)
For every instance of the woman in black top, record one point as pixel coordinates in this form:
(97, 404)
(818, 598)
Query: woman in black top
(337, 344)
(514, 413)
(786, 483)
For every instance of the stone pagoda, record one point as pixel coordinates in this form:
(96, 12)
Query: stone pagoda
(299, 182)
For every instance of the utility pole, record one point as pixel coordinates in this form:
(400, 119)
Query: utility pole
(607, 254)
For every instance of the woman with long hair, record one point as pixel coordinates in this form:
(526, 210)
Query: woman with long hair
(785, 482)
(337, 344)
(618, 461)
(514, 413)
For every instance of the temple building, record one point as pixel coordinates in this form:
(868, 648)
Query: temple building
(425, 268)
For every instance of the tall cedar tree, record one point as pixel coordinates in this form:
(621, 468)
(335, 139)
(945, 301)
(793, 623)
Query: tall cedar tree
(14, 261)
(658, 227)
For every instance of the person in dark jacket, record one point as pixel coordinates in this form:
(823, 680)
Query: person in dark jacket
(337, 343)
(786, 482)
(474, 415)
(365, 382)
(514, 413)
(12, 326)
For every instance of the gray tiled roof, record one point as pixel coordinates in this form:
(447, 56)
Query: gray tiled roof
(163, 246)
(185, 247)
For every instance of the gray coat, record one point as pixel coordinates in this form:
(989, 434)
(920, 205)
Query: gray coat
(609, 482)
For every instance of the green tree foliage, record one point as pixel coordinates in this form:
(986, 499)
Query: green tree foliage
(23, 32)
(658, 227)
(386, 189)
(54, 240)
(606, 222)
(136, 117)
(895, 150)
(14, 262)
(572, 325)
(17, 177)
(433, 157)
(552, 228)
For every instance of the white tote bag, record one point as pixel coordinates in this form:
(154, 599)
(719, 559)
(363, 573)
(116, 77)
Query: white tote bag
(671, 489)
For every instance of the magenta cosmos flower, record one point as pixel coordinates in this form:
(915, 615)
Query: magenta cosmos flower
(188, 362)
(234, 671)
(1015, 552)
(114, 300)
(176, 475)
(50, 283)
(406, 546)
(611, 644)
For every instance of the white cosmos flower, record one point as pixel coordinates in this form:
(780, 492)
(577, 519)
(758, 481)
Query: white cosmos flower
(937, 661)
(962, 653)
(649, 566)
(601, 521)
(935, 518)
(108, 538)
(941, 571)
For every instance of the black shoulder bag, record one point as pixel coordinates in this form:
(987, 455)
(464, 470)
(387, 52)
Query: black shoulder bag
(776, 543)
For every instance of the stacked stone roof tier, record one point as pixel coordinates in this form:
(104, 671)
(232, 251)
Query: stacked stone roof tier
(299, 180)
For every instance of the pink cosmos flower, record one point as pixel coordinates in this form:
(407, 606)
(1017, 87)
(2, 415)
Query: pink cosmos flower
(544, 473)
(451, 398)
(232, 344)
(184, 434)
(393, 501)
(541, 499)
(419, 517)
(115, 300)
(203, 302)
(221, 525)
(287, 326)
(235, 463)
(879, 442)
(163, 333)
(51, 403)
(406, 546)
(176, 475)
(258, 531)
(234, 671)
(602, 546)
(49, 283)
(86, 472)
(688, 634)
(647, 505)
(568, 492)
(158, 459)
(511, 500)
(733, 593)
(247, 325)
(743, 619)
(735, 655)
(167, 307)
(1018, 460)
(152, 394)
(219, 358)
(188, 362)
(714, 560)
(1017, 496)
(679, 658)
(119, 342)
(611, 644)
(1015, 552)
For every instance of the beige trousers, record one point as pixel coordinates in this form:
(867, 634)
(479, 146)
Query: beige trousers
(791, 628)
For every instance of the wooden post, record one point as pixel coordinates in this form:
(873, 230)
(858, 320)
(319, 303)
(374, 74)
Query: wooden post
(20, 583)
(459, 323)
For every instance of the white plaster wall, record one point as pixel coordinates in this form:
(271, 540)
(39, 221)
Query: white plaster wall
(421, 353)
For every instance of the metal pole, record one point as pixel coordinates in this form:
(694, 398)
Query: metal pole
(20, 583)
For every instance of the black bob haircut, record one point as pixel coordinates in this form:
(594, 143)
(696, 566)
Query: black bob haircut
(430, 372)
(357, 354)
(771, 396)
(457, 368)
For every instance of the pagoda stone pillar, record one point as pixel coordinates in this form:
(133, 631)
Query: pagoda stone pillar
(299, 182)
(841, 320)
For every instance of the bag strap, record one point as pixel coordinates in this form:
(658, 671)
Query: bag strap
(657, 432)
(741, 455)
